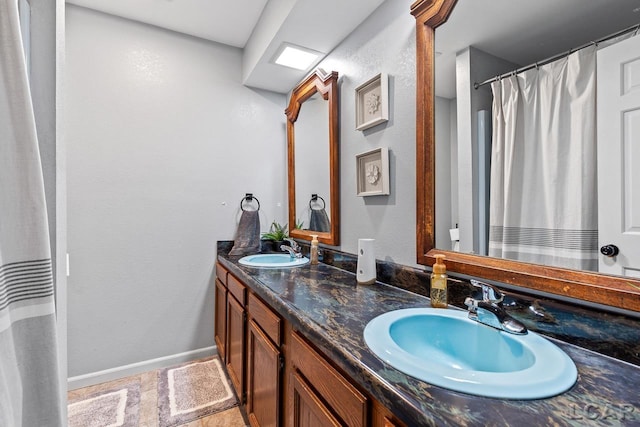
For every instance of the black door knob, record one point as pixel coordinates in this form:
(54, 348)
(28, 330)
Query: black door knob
(609, 250)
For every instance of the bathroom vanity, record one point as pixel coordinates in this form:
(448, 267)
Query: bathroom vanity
(292, 341)
(275, 369)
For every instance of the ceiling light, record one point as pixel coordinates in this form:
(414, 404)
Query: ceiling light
(296, 57)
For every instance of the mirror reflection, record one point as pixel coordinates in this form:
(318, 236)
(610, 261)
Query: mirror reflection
(312, 165)
(529, 166)
(313, 161)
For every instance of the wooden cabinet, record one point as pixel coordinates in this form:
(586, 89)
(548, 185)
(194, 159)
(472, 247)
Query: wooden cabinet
(308, 409)
(235, 345)
(263, 379)
(264, 365)
(328, 393)
(280, 377)
(230, 326)
(382, 417)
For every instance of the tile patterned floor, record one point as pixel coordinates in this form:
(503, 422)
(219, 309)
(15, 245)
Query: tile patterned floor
(149, 403)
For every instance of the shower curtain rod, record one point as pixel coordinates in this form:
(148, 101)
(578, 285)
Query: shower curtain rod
(556, 57)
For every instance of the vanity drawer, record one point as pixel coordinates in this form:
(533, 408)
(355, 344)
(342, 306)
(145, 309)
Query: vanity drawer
(343, 398)
(237, 289)
(221, 273)
(266, 318)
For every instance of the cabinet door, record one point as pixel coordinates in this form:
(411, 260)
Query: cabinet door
(263, 379)
(235, 345)
(221, 320)
(348, 404)
(308, 409)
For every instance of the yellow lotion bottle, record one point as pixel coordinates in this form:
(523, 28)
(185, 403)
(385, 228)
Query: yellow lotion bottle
(439, 283)
(314, 249)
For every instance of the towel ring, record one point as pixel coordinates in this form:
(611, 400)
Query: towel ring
(249, 198)
(314, 198)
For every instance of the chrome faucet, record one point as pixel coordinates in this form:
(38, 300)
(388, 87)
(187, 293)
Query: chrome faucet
(489, 310)
(293, 248)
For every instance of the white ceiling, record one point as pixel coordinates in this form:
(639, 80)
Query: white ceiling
(223, 21)
(525, 31)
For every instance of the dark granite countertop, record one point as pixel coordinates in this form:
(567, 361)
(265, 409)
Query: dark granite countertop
(327, 305)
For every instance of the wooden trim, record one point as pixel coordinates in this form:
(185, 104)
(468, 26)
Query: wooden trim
(235, 346)
(220, 320)
(615, 291)
(327, 86)
(429, 14)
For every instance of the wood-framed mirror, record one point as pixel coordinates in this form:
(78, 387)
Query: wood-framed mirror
(313, 159)
(614, 291)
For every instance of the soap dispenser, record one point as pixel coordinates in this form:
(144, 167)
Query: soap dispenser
(439, 283)
(314, 249)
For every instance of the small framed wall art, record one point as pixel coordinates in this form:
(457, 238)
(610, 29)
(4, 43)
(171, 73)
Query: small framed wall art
(372, 102)
(372, 172)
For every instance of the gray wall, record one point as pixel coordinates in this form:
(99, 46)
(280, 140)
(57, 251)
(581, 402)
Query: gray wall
(444, 116)
(163, 141)
(385, 42)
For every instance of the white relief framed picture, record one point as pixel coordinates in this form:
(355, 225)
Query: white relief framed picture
(372, 173)
(372, 102)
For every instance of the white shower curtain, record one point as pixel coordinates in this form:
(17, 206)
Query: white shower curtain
(29, 384)
(543, 201)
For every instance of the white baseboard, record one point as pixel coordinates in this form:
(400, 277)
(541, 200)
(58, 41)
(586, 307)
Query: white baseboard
(138, 367)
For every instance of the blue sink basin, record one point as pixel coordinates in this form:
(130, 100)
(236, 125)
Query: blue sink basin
(445, 348)
(273, 261)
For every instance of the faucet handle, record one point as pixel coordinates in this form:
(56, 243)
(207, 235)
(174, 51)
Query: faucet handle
(471, 303)
(293, 244)
(489, 293)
